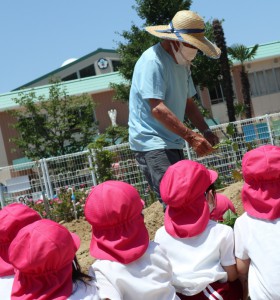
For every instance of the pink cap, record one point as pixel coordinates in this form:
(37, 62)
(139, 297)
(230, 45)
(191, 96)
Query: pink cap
(261, 189)
(114, 210)
(42, 253)
(13, 217)
(223, 204)
(182, 188)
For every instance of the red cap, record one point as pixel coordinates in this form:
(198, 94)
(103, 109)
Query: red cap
(42, 253)
(13, 217)
(182, 188)
(114, 210)
(223, 204)
(261, 189)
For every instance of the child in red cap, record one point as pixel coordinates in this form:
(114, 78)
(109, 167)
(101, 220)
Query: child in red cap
(128, 265)
(13, 217)
(201, 251)
(43, 254)
(221, 206)
(257, 231)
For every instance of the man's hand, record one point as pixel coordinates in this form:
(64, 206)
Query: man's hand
(199, 144)
(211, 137)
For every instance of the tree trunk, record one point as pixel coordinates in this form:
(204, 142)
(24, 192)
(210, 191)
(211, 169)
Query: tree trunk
(225, 69)
(246, 93)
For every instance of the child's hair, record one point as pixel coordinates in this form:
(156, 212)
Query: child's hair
(212, 188)
(78, 275)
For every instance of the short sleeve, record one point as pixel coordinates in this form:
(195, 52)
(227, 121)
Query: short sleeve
(152, 80)
(240, 240)
(227, 248)
(104, 286)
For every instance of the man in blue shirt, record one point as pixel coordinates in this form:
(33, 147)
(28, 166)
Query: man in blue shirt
(161, 94)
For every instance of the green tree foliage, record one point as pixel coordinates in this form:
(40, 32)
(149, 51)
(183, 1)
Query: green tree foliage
(242, 54)
(55, 125)
(206, 71)
(159, 12)
(224, 69)
(104, 158)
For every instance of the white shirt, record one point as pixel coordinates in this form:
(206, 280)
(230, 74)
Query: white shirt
(259, 240)
(198, 261)
(6, 284)
(149, 277)
(84, 292)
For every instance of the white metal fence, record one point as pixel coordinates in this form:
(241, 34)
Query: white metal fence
(31, 180)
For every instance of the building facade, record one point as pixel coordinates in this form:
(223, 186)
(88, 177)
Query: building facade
(94, 73)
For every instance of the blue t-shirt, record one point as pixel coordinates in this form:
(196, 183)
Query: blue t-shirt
(157, 76)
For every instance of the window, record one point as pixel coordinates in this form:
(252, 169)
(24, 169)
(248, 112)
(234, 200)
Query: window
(87, 71)
(216, 94)
(116, 65)
(264, 82)
(70, 77)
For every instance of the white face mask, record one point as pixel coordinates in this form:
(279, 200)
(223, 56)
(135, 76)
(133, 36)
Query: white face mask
(184, 55)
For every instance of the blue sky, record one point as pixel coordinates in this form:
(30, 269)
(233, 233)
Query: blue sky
(38, 36)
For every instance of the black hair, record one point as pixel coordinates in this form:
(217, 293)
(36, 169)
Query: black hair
(211, 188)
(78, 275)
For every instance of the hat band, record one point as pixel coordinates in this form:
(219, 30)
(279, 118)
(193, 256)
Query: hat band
(178, 31)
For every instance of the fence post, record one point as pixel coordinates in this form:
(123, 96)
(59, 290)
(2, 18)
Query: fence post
(269, 128)
(46, 204)
(46, 178)
(91, 171)
(188, 150)
(2, 196)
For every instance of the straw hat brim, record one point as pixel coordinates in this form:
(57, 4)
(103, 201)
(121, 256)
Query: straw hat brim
(197, 40)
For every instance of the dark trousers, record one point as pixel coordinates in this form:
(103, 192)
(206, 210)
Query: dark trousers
(154, 164)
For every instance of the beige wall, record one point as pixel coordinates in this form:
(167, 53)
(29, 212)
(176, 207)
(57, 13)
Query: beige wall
(104, 103)
(11, 151)
(3, 156)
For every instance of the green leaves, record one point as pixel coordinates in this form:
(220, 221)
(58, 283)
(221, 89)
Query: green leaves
(229, 218)
(55, 125)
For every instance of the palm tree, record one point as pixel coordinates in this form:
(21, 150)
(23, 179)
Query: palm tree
(242, 54)
(224, 68)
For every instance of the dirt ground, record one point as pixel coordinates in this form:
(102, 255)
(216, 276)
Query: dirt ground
(153, 219)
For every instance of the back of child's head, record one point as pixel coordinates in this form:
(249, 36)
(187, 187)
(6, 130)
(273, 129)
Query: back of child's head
(42, 253)
(261, 173)
(13, 217)
(183, 188)
(114, 210)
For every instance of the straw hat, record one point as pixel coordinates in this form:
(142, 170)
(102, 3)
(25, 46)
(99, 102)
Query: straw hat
(186, 26)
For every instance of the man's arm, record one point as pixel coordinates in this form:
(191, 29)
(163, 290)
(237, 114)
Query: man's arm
(164, 115)
(196, 118)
